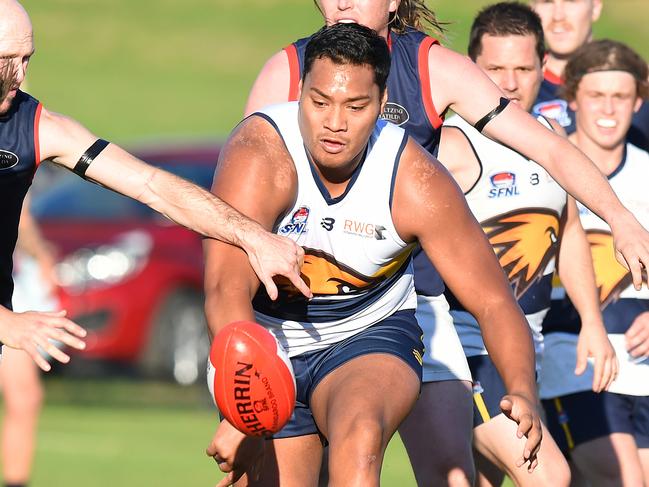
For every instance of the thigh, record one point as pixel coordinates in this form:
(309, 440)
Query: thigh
(643, 453)
(287, 462)
(497, 441)
(610, 460)
(372, 390)
(495, 435)
(19, 376)
(443, 415)
(371, 376)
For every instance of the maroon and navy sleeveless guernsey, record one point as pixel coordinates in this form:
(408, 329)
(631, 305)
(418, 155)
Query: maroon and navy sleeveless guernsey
(19, 157)
(409, 106)
(639, 132)
(550, 105)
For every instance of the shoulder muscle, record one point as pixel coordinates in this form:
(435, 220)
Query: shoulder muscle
(272, 84)
(255, 173)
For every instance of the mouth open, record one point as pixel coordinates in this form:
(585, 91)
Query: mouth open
(332, 146)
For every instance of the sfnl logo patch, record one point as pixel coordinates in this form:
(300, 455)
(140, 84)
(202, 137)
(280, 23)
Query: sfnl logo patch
(503, 184)
(298, 222)
(7, 159)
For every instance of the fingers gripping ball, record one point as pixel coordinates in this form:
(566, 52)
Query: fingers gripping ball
(251, 379)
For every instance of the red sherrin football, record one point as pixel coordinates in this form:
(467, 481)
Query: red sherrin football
(251, 379)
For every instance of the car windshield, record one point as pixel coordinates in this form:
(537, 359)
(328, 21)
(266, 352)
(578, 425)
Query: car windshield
(70, 197)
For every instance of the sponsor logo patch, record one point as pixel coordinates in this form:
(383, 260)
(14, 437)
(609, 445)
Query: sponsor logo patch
(327, 223)
(365, 230)
(395, 113)
(298, 222)
(7, 159)
(554, 109)
(503, 184)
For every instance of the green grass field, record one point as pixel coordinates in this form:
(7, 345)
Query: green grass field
(103, 434)
(169, 69)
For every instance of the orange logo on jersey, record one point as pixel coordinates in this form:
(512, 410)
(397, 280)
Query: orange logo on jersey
(326, 276)
(611, 277)
(524, 241)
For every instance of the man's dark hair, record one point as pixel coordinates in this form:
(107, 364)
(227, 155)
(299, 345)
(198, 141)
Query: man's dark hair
(604, 55)
(506, 19)
(350, 44)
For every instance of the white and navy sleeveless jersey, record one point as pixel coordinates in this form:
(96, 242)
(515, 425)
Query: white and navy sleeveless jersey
(356, 265)
(410, 106)
(19, 157)
(519, 207)
(621, 303)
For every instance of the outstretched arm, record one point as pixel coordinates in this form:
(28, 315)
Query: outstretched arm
(455, 86)
(429, 206)
(578, 278)
(64, 141)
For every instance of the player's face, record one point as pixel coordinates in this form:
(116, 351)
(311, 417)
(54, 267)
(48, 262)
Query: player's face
(513, 64)
(370, 13)
(16, 47)
(339, 106)
(567, 23)
(604, 104)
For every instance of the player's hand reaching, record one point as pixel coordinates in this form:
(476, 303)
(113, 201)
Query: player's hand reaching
(32, 330)
(525, 413)
(236, 454)
(637, 336)
(272, 255)
(593, 342)
(631, 242)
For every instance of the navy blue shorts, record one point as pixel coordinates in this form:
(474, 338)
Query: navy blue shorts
(584, 416)
(397, 335)
(488, 389)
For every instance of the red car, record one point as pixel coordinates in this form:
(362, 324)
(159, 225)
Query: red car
(131, 277)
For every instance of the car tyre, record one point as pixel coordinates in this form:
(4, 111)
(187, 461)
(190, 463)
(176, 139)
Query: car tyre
(178, 343)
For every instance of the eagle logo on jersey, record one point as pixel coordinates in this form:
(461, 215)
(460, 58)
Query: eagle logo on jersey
(325, 276)
(611, 276)
(524, 241)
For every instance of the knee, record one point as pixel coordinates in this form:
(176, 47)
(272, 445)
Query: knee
(560, 474)
(547, 473)
(361, 444)
(461, 476)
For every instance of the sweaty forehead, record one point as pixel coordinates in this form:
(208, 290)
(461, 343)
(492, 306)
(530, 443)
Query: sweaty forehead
(334, 79)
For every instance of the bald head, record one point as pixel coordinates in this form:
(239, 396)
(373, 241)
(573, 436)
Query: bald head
(14, 18)
(16, 47)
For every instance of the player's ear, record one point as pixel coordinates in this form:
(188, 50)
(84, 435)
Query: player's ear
(597, 9)
(394, 5)
(299, 90)
(638, 104)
